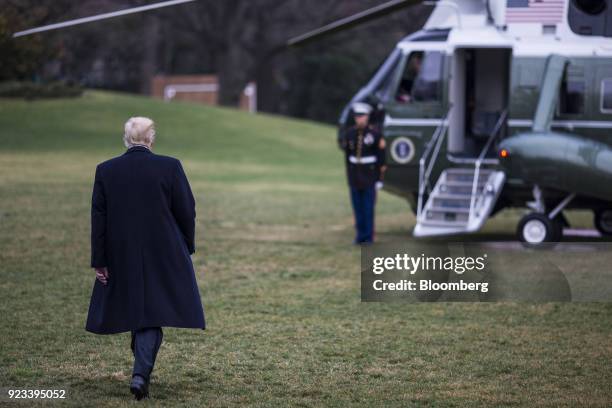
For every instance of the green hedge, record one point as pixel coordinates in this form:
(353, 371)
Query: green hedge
(34, 90)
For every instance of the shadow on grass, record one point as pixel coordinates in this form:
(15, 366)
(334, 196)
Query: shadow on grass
(179, 388)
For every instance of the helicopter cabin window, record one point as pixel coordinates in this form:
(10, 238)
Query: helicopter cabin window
(606, 95)
(571, 99)
(421, 78)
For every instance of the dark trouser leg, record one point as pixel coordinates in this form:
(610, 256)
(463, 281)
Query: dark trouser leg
(369, 201)
(145, 345)
(357, 202)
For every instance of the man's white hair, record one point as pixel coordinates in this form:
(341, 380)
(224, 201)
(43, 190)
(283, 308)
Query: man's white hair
(139, 130)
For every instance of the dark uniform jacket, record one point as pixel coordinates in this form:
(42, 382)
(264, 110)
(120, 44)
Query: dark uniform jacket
(363, 156)
(142, 230)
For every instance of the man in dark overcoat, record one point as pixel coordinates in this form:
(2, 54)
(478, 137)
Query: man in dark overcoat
(142, 236)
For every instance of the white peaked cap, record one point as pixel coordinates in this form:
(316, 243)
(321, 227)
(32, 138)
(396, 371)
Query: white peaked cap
(361, 108)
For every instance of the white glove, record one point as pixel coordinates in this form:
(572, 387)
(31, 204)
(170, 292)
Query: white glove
(379, 185)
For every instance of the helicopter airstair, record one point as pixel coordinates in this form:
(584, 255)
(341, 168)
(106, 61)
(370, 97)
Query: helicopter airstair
(455, 206)
(464, 196)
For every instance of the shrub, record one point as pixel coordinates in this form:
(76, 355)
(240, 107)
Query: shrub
(35, 90)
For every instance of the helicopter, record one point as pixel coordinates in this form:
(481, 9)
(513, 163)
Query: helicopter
(493, 104)
(496, 104)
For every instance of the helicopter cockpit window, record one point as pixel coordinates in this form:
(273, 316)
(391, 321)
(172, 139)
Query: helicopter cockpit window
(421, 77)
(606, 95)
(387, 72)
(383, 89)
(572, 96)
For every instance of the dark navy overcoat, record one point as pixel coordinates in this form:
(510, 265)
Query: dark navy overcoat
(142, 230)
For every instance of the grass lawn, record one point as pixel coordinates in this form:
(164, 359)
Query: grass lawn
(278, 276)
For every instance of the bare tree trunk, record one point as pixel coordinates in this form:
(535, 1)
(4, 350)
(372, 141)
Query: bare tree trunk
(235, 58)
(233, 73)
(148, 65)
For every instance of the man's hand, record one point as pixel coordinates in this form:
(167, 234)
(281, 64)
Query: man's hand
(102, 275)
(381, 176)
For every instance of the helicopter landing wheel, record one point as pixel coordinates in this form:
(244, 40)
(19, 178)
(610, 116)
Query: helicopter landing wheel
(537, 230)
(603, 222)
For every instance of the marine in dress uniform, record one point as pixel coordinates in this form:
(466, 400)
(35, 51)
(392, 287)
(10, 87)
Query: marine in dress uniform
(364, 149)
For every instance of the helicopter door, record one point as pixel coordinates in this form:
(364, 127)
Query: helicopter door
(479, 94)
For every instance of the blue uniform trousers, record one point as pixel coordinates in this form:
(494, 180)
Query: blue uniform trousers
(363, 201)
(145, 344)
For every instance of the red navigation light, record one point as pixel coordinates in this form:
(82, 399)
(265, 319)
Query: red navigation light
(503, 153)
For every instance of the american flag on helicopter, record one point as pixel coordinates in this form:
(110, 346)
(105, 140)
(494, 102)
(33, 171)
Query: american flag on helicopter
(535, 11)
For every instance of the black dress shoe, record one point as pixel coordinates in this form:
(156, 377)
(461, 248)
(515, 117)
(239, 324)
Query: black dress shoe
(139, 387)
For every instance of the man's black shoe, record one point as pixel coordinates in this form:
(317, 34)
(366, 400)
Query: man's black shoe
(139, 387)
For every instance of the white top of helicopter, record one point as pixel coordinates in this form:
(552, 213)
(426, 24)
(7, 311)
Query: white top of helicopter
(471, 27)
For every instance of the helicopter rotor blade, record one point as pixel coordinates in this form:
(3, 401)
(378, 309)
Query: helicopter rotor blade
(348, 22)
(98, 17)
